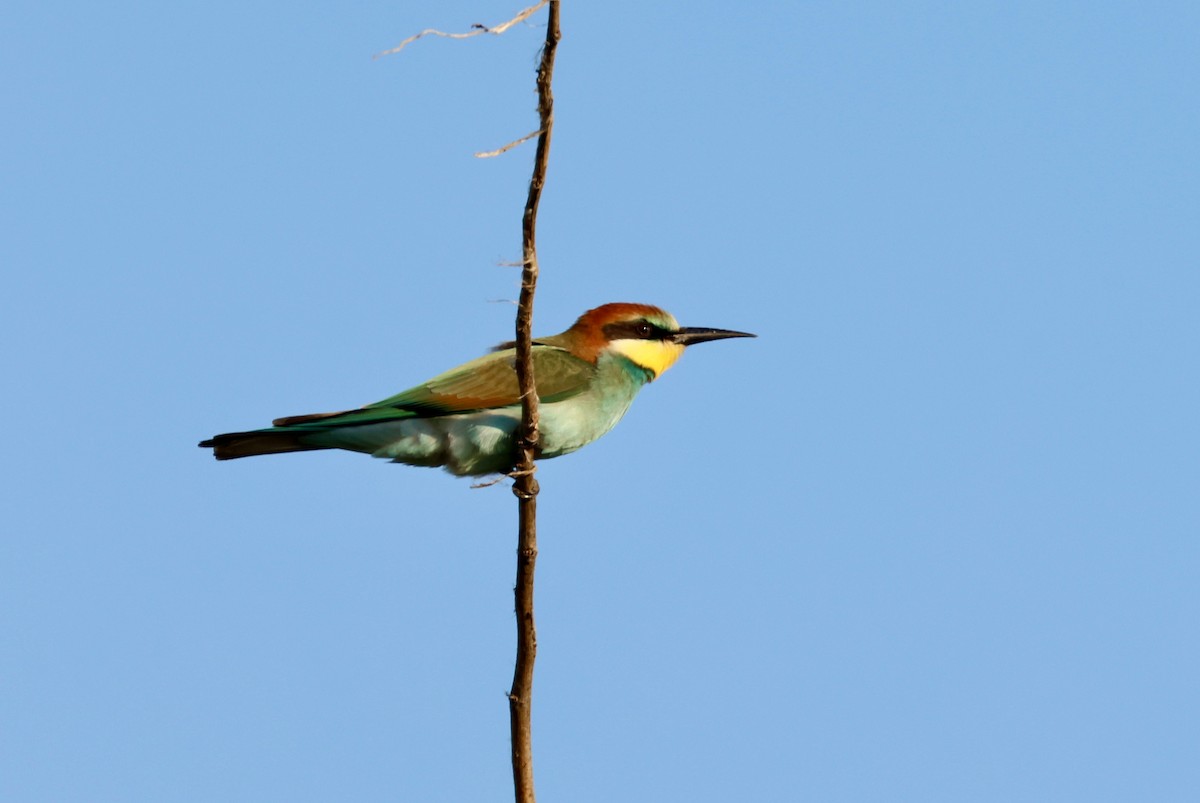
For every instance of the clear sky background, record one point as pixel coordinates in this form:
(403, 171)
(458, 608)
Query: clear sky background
(933, 536)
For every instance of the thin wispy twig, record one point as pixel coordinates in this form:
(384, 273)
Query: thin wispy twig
(476, 30)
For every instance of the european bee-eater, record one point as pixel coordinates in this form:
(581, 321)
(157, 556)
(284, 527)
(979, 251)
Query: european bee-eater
(464, 419)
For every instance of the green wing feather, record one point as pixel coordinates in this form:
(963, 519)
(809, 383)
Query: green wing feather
(484, 383)
(491, 381)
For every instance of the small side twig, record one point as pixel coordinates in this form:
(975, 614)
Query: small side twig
(476, 30)
(508, 147)
(509, 475)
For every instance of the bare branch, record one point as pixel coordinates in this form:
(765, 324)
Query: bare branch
(508, 147)
(476, 30)
(525, 485)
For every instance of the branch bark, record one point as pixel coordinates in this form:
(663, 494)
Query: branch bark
(525, 484)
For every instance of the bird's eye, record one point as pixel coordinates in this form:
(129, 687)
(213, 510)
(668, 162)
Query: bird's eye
(644, 329)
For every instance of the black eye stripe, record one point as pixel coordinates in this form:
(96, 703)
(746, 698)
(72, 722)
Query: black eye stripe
(635, 330)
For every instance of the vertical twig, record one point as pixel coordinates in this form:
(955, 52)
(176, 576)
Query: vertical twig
(525, 485)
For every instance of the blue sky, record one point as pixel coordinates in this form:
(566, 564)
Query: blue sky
(932, 536)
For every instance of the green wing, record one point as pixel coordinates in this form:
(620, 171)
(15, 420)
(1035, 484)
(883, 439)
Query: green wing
(490, 381)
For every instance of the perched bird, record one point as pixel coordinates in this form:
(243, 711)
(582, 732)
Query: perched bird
(464, 419)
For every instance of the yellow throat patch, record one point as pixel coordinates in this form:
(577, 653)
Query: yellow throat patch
(653, 355)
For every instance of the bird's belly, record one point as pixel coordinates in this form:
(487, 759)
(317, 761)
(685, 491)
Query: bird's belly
(480, 442)
(468, 444)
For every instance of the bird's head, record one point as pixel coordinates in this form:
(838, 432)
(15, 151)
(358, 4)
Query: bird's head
(647, 336)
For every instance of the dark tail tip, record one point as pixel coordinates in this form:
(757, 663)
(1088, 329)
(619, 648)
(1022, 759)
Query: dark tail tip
(233, 445)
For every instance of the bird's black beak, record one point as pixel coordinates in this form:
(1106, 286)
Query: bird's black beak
(698, 334)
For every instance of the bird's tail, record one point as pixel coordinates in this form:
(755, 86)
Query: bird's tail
(233, 445)
(304, 433)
